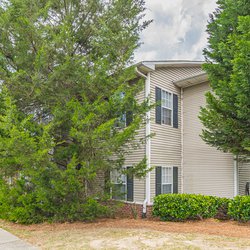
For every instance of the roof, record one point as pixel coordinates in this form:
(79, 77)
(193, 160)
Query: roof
(192, 80)
(148, 66)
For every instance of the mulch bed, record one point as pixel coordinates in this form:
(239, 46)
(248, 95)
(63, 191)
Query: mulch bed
(208, 226)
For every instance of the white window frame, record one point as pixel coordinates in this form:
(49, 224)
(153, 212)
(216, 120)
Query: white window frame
(167, 183)
(165, 107)
(117, 179)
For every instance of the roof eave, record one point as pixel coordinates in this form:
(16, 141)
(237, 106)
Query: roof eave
(149, 66)
(190, 81)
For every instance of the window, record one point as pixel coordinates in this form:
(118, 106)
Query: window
(123, 188)
(125, 118)
(120, 183)
(167, 180)
(167, 107)
(166, 110)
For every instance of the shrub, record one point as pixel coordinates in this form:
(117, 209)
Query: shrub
(179, 207)
(222, 213)
(60, 202)
(239, 208)
(92, 209)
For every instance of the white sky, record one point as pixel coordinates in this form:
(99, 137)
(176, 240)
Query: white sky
(178, 30)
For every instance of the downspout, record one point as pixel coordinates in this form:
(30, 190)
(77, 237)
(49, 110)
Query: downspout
(148, 143)
(236, 191)
(182, 143)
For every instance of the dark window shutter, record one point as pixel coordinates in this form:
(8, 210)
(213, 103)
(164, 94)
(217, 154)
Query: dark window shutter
(129, 117)
(130, 187)
(175, 180)
(175, 111)
(158, 106)
(157, 180)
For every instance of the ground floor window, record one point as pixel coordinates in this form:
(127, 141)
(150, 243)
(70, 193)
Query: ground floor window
(123, 185)
(119, 182)
(166, 180)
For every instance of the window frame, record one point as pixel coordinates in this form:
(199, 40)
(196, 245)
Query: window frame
(118, 180)
(167, 183)
(122, 121)
(115, 182)
(164, 107)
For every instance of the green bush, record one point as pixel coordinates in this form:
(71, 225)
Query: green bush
(179, 207)
(92, 209)
(239, 208)
(222, 212)
(48, 199)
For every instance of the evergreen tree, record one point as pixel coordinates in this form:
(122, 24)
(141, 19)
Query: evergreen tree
(65, 67)
(227, 115)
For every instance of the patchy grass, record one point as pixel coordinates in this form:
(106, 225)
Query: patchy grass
(134, 234)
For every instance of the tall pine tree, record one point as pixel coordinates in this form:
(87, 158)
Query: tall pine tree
(227, 115)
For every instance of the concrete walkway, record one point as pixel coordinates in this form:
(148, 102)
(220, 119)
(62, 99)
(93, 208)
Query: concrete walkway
(10, 242)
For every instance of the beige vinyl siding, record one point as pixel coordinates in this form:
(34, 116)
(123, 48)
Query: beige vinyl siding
(136, 156)
(166, 144)
(206, 170)
(244, 175)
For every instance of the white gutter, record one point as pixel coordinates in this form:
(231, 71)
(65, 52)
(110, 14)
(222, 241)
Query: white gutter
(140, 73)
(170, 63)
(236, 182)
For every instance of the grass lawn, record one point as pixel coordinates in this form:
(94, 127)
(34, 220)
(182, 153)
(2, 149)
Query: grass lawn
(135, 234)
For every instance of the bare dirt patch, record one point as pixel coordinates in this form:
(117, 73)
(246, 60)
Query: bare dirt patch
(135, 234)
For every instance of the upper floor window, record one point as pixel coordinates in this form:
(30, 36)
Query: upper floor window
(166, 111)
(167, 107)
(125, 118)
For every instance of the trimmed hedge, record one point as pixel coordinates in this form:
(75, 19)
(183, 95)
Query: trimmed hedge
(239, 208)
(222, 212)
(179, 207)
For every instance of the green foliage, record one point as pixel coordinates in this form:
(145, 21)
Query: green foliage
(63, 67)
(49, 194)
(239, 208)
(17, 205)
(24, 144)
(32, 187)
(227, 115)
(179, 207)
(222, 212)
(66, 63)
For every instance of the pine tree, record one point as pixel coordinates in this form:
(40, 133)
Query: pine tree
(227, 115)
